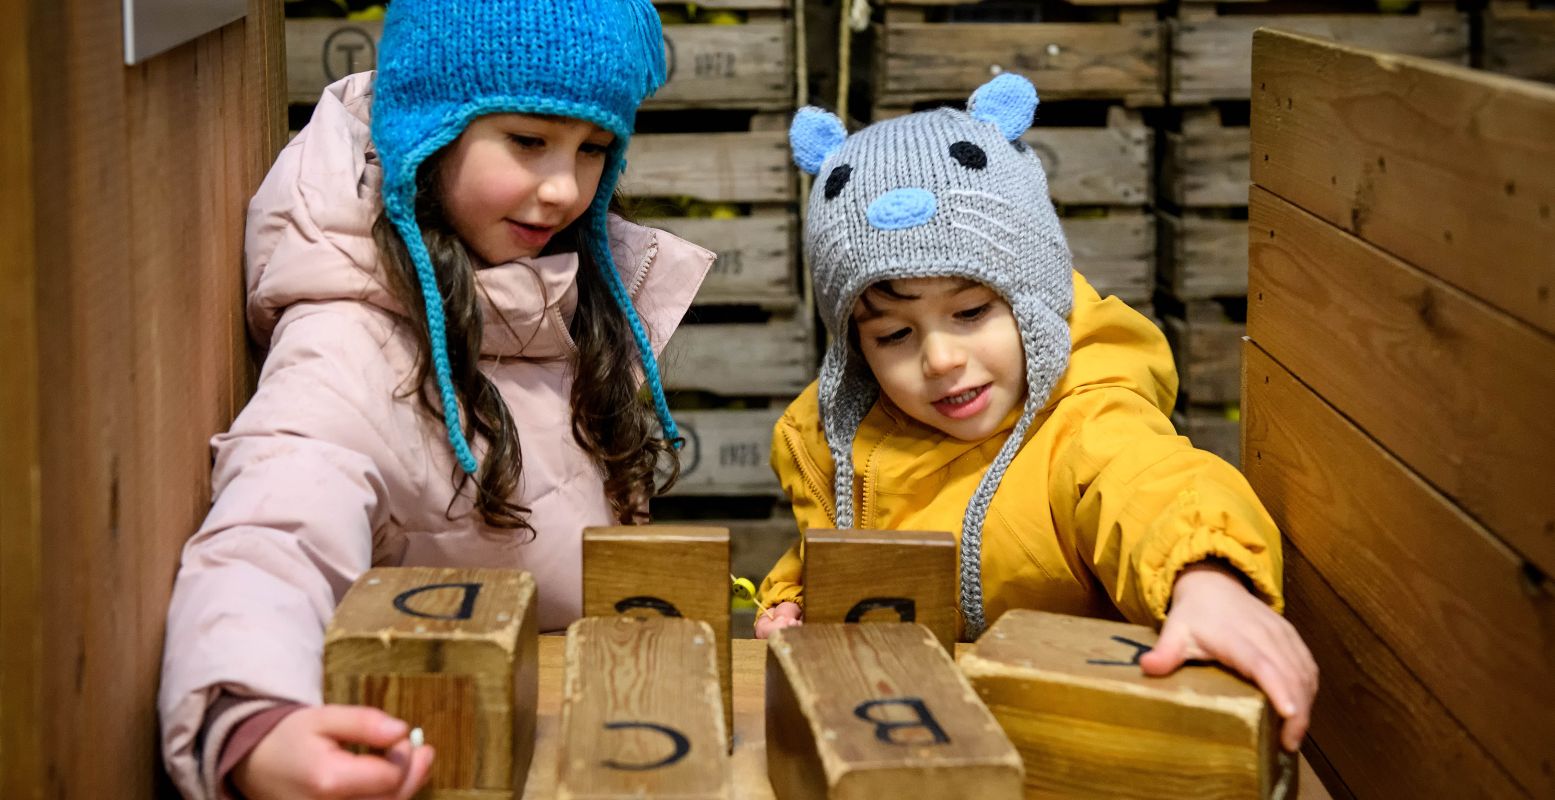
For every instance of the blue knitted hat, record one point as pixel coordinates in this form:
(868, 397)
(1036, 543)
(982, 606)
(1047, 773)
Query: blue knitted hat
(443, 63)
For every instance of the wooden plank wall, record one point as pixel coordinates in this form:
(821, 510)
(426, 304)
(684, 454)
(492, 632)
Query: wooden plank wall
(123, 201)
(1397, 390)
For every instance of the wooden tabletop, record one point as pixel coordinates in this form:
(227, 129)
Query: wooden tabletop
(750, 750)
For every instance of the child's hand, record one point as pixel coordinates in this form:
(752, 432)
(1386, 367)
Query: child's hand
(779, 616)
(1213, 616)
(304, 756)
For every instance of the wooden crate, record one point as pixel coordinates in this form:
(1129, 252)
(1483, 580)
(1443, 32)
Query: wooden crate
(1519, 39)
(727, 452)
(1202, 254)
(1204, 162)
(1118, 56)
(1397, 421)
(1115, 250)
(1216, 430)
(748, 65)
(757, 257)
(1211, 43)
(775, 358)
(1207, 348)
(723, 167)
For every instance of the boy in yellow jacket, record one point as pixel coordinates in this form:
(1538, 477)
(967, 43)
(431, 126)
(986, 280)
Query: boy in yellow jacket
(976, 383)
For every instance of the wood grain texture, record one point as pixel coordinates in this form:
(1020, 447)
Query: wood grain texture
(137, 178)
(625, 675)
(750, 167)
(1106, 60)
(727, 452)
(1374, 143)
(1106, 165)
(1373, 721)
(872, 711)
(1373, 335)
(757, 257)
(1088, 723)
(1433, 585)
(1208, 354)
(1520, 39)
(867, 576)
(654, 570)
(1210, 57)
(1202, 256)
(1206, 166)
(774, 358)
(748, 65)
(452, 651)
(749, 759)
(1115, 252)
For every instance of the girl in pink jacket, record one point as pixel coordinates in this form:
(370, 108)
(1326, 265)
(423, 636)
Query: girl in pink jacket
(457, 333)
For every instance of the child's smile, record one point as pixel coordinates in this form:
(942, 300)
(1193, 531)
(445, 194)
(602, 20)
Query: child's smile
(945, 350)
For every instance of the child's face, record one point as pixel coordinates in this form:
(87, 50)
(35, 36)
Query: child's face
(513, 181)
(944, 350)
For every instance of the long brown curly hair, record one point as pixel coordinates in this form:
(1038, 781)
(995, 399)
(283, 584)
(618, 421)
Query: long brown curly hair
(609, 420)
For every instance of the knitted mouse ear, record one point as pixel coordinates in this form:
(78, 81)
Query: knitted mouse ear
(814, 135)
(1008, 101)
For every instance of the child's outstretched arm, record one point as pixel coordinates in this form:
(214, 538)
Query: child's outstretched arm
(1213, 616)
(304, 757)
(804, 468)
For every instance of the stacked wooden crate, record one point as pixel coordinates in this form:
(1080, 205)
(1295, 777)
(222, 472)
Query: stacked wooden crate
(1519, 38)
(1202, 265)
(1094, 65)
(1399, 382)
(710, 163)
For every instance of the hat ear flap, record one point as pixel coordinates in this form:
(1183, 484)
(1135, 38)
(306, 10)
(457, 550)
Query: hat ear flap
(1008, 101)
(814, 135)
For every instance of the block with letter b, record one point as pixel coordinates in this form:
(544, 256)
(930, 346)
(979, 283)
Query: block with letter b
(877, 711)
(1088, 723)
(641, 712)
(453, 652)
(663, 571)
(853, 575)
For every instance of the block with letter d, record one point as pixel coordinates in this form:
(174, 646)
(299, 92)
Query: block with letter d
(663, 571)
(853, 575)
(453, 652)
(1070, 694)
(641, 712)
(878, 711)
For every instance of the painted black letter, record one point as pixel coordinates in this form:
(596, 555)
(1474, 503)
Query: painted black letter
(682, 745)
(903, 606)
(1139, 650)
(884, 728)
(466, 609)
(650, 603)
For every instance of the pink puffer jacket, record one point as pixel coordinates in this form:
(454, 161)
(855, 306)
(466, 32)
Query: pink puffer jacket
(333, 467)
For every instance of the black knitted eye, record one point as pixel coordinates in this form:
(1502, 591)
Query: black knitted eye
(969, 155)
(837, 179)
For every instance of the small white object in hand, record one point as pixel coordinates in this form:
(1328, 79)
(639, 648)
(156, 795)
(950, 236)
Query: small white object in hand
(417, 738)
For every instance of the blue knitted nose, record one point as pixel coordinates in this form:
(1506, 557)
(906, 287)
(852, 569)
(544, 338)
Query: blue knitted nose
(899, 209)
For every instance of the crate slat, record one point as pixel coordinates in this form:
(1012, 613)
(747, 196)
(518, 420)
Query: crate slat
(1096, 165)
(771, 359)
(750, 167)
(756, 263)
(1202, 256)
(727, 452)
(1520, 40)
(1115, 253)
(1208, 354)
(1205, 165)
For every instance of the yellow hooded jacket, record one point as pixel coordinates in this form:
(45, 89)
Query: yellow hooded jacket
(1100, 510)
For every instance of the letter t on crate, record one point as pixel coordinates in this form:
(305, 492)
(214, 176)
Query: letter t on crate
(663, 570)
(883, 576)
(857, 712)
(453, 652)
(1070, 694)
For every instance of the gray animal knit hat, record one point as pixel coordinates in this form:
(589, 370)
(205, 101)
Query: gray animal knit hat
(940, 193)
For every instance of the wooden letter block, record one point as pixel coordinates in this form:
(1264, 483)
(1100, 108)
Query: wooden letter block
(640, 711)
(453, 652)
(857, 712)
(1069, 692)
(883, 576)
(663, 570)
